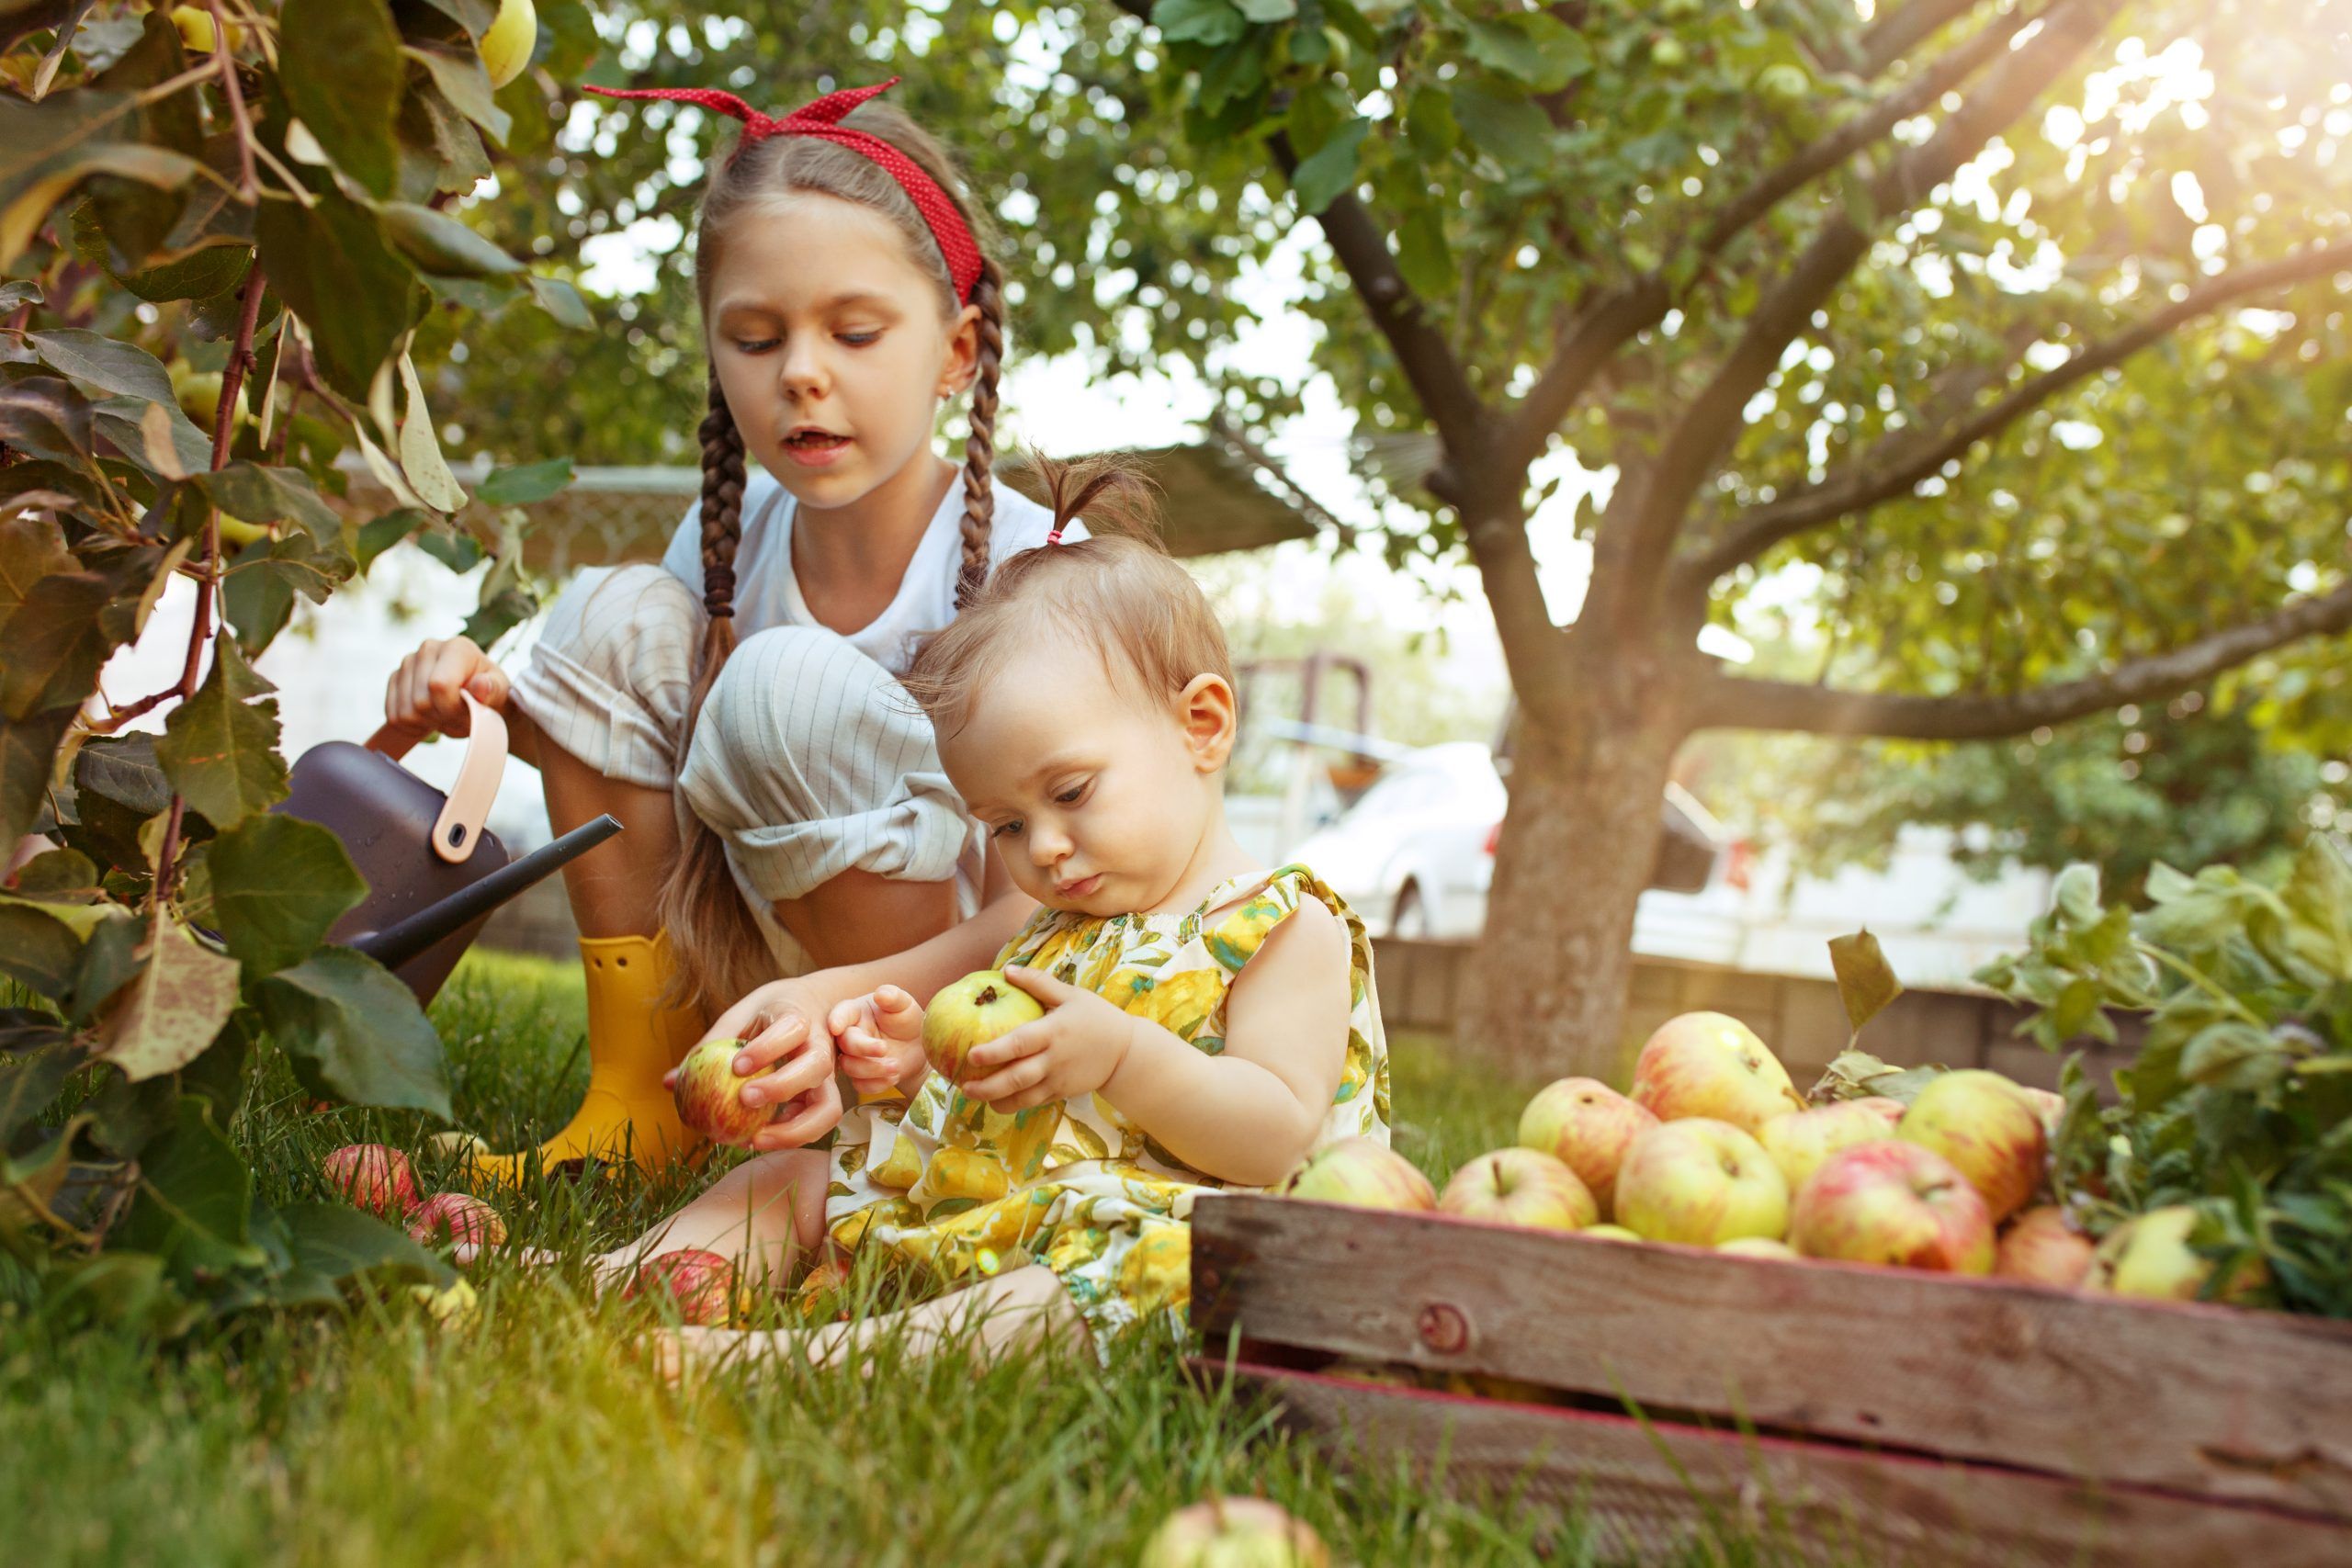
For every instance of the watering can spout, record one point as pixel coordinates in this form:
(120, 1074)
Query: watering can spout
(405, 939)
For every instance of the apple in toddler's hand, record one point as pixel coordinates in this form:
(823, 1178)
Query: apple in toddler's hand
(709, 1095)
(1893, 1202)
(1362, 1171)
(1983, 1124)
(1587, 1126)
(1705, 1064)
(1802, 1140)
(1520, 1187)
(970, 1013)
(701, 1283)
(2042, 1247)
(1234, 1533)
(1702, 1182)
(373, 1177)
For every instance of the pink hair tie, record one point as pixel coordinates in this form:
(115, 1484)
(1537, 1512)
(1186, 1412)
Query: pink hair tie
(820, 119)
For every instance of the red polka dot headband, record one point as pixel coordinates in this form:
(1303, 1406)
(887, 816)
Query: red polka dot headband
(820, 119)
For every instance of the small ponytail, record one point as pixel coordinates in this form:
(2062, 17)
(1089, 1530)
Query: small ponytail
(980, 446)
(719, 950)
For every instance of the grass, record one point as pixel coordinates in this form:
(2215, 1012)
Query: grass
(528, 1433)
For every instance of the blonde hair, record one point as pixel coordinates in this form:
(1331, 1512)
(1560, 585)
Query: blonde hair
(721, 955)
(1116, 592)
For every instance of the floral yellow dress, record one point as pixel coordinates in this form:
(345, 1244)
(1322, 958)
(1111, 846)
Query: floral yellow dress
(953, 1190)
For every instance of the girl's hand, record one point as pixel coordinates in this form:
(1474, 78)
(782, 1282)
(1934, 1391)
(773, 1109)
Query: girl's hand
(772, 1023)
(1073, 1050)
(422, 698)
(879, 1038)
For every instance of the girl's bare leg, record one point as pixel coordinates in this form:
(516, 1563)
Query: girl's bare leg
(612, 886)
(1012, 1311)
(763, 1215)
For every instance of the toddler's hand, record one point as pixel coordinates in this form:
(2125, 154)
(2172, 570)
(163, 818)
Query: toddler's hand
(880, 1038)
(1073, 1050)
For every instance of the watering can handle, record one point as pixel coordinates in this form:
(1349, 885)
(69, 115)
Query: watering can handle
(458, 827)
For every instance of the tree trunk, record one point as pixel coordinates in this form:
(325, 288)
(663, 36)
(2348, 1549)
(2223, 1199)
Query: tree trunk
(1545, 990)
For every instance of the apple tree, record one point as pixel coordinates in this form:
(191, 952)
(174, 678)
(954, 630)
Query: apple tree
(242, 211)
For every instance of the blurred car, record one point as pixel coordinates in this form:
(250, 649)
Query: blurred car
(1415, 854)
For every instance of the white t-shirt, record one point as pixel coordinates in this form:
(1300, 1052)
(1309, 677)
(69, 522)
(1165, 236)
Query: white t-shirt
(767, 591)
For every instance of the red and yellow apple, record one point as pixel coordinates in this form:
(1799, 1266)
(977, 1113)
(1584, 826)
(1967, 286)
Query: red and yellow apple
(1520, 1187)
(1983, 1123)
(1802, 1140)
(2049, 1105)
(2039, 1245)
(1364, 1172)
(373, 1177)
(1705, 1064)
(1893, 1202)
(1609, 1232)
(458, 1218)
(1234, 1533)
(1702, 1182)
(1587, 1126)
(701, 1284)
(1759, 1246)
(709, 1095)
(970, 1013)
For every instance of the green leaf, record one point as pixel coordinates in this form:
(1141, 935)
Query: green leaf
(354, 1030)
(381, 534)
(427, 471)
(220, 748)
(116, 368)
(338, 1241)
(439, 243)
(1511, 129)
(525, 484)
(340, 62)
(125, 1116)
(459, 77)
(202, 274)
(499, 613)
(1268, 10)
(258, 593)
(1322, 179)
(29, 1080)
(37, 949)
(255, 493)
(119, 421)
(1538, 49)
(57, 641)
(333, 267)
(47, 417)
(27, 752)
(110, 960)
(561, 301)
(172, 1008)
(278, 885)
(1423, 256)
(32, 547)
(1858, 1075)
(195, 1198)
(48, 148)
(1866, 982)
(1197, 21)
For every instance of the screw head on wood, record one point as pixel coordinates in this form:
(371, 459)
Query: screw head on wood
(1444, 1328)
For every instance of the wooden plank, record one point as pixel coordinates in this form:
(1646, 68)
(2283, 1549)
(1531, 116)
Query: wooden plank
(1649, 1490)
(2205, 1399)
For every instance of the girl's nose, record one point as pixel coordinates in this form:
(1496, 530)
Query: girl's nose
(800, 370)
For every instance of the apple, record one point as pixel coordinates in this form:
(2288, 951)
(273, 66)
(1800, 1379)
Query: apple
(2049, 1105)
(1783, 84)
(2042, 1247)
(459, 1218)
(198, 34)
(1364, 1172)
(454, 1305)
(1893, 1202)
(1799, 1142)
(1609, 1232)
(1587, 1126)
(1234, 1533)
(2149, 1256)
(969, 1013)
(708, 1094)
(371, 1177)
(1704, 1063)
(1669, 54)
(1758, 1247)
(701, 1283)
(1982, 1123)
(458, 1145)
(1520, 1187)
(1702, 1183)
(1387, 1374)
(506, 47)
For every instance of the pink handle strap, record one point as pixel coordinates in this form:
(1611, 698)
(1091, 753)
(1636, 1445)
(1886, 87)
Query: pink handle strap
(458, 827)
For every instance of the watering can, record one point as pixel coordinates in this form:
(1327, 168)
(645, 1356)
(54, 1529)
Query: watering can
(435, 874)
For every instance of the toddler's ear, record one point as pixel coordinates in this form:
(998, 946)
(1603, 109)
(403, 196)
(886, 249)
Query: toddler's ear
(1206, 709)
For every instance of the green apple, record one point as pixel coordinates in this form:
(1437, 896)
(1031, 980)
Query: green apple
(1896, 1203)
(1520, 1187)
(1234, 1533)
(1702, 1182)
(1364, 1172)
(1984, 1125)
(1587, 1126)
(970, 1013)
(1783, 84)
(1705, 1064)
(506, 47)
(1799, 1142)
(2149, 1256)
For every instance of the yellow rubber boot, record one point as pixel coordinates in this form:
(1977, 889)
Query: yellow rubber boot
(631, 1042)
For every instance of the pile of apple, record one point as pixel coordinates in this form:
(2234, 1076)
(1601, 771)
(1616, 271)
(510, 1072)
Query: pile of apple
(1714, 1147)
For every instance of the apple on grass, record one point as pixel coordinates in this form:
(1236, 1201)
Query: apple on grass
(1708, 1065)
(969, 1014)
(1893, 1202)
(458, 1218)
(1520, 1187)
(1983, 1123)
(1234, 1533)
(1800, 1140)
(1364, 1172)
(1702, 1182)
(701, 1284)
(373, 1177)
(2039, 1245)
(1587, 1126)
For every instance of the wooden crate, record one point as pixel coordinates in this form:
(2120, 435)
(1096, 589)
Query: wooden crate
(1851, 1414)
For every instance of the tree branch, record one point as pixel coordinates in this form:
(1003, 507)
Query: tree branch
(1728, 701)
(1858, 490)
(1892, 37)
(1644, 530)
(1618, 315)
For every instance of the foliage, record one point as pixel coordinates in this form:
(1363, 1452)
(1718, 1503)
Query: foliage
(251, 236)
(2240, 1101)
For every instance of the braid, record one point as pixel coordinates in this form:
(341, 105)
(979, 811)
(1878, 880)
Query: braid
(722, 503)
(979, 447)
